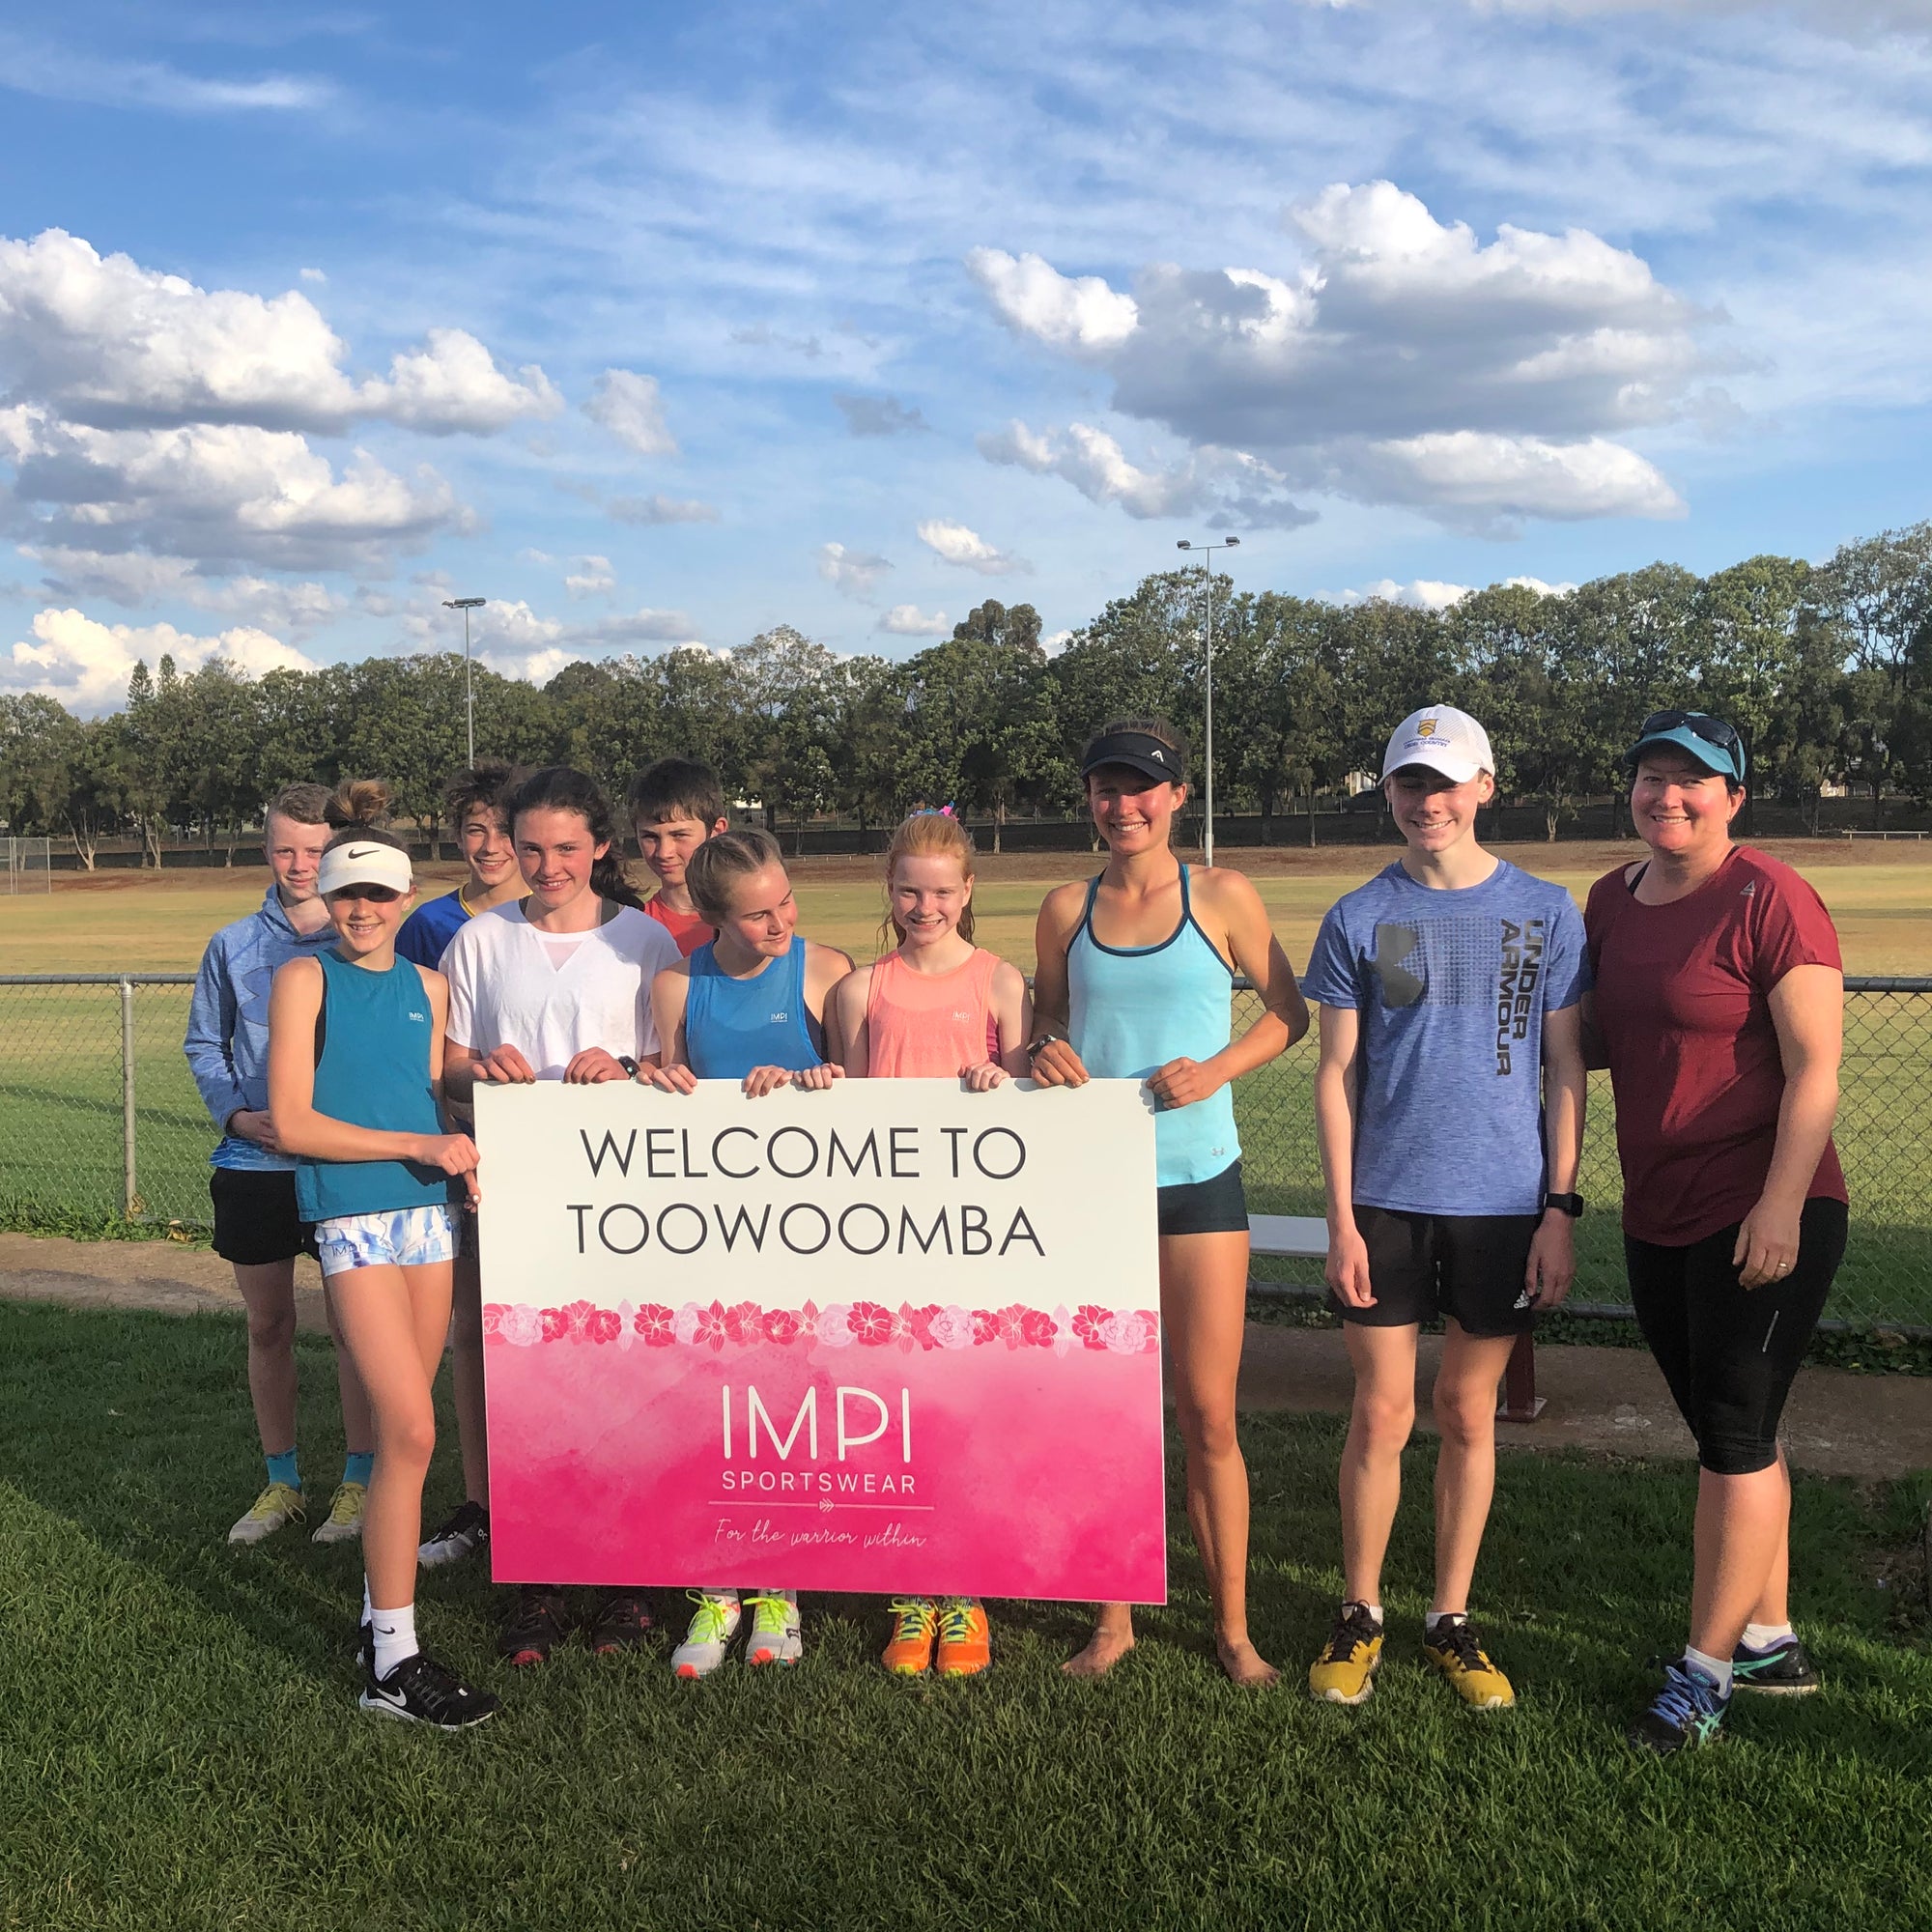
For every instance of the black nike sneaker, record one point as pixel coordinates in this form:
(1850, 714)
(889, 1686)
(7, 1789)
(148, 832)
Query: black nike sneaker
(1781, 1669)
(421, 1690)
(461, 1533)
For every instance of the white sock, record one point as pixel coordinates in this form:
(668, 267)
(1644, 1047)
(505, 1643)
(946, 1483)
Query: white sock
(1717, 1668)
(1435, 1617)
(1761, 1637)
(1374, 1609)
(395, 1637)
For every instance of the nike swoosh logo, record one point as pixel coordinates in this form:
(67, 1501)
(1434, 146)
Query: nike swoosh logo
(364, 851)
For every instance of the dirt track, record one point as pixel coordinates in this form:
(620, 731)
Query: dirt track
(1604, 1400)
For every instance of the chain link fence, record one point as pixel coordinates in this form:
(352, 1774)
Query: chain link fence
(99, 1120)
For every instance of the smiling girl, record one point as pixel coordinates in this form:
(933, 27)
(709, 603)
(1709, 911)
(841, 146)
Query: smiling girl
(749, 1006)
(937, 1008)
(554, 987)
(356, 1047)
(1135, 980)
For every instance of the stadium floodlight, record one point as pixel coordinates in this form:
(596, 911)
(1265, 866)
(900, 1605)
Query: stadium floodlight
(466, 605)
(1203, 550)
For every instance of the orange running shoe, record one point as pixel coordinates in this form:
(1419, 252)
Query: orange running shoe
(965, 1637)
(915, 1622)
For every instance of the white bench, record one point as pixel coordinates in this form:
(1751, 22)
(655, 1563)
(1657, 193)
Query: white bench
(1305, 1237)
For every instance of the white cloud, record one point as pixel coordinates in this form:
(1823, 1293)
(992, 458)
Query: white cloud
(30, 67)
(1077, 313)
(1483, 482)
(954, 543)
(593, 576)
(104, 342)
(1403, 361)
(650, 510)
(852, 573)
(1228, 486)
(217, 492)
(86, 663)
(628, 405)
(137, 578)
(908, 620)
(1428, 594)
(534, 557)
(314, 275)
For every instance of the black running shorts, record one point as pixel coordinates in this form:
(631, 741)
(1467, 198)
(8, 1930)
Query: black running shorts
(1470, 1268)
(1217, 1205)
(255, 1218)
(1731, 1353)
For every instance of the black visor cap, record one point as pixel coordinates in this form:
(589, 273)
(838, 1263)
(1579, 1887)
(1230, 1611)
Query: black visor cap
(1138, 751)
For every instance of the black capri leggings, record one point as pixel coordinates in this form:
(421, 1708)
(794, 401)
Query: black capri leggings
(1730, 1353)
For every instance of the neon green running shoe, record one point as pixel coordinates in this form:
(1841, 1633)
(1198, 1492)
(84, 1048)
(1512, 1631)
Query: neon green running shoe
(278, 1504)
(713, 1626)
(344, 1522)
(776, 1637)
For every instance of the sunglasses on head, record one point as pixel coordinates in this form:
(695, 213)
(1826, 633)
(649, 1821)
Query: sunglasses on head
(375, 895)
(1699, 724)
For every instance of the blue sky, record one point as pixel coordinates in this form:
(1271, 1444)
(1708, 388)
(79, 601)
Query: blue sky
(663, 324)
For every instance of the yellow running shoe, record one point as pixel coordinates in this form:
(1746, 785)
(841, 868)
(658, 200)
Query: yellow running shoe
(344, 1522)
(1345, 1673)
(965, 1637)
(276, 1505)
(1453, 1648)
(915, 1625)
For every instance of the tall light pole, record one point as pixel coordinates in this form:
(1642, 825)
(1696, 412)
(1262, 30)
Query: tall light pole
(466, 605)
(1203, 551)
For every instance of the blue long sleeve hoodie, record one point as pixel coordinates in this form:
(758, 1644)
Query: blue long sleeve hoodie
(227, 1043)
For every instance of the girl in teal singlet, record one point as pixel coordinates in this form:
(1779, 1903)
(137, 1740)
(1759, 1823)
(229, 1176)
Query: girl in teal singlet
(1134, 976)
(355, 1042)
(749, 1007)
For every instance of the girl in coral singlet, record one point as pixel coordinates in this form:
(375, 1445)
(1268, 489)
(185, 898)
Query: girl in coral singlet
(937, 1008)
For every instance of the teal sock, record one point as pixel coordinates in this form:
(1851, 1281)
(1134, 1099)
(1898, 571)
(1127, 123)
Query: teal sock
(356, 1465)
(282, 1469)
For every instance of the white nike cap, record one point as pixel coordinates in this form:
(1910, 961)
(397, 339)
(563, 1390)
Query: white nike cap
(364, 861)
(1445, 740)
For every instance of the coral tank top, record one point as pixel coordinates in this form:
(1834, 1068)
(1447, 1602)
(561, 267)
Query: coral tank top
(930, 1026)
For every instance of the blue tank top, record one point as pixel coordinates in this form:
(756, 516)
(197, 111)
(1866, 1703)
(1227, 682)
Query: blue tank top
(1134, 1009)
(372, 1071)
(731, 1026)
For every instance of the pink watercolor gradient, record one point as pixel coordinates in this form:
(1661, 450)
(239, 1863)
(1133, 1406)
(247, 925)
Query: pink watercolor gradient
(1034, 1473)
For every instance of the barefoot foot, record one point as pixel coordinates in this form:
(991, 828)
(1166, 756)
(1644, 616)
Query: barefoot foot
(1244, 1663)
(1105, 1649)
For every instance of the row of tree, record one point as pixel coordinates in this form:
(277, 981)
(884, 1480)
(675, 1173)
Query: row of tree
(1825, 670)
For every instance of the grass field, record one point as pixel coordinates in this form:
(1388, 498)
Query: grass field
(60, 1048)
(179, 1747)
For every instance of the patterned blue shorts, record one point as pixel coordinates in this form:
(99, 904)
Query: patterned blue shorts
(407, 1238)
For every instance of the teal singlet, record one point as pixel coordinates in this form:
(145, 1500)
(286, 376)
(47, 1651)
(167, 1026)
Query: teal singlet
(1134, 1009)
(371, 1070)
(731, 1026)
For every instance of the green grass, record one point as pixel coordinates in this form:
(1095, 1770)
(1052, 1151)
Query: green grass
(179, 1747)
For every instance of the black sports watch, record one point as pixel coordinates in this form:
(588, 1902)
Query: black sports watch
(629, 1065)
(1571, 1204)
(1035, 1048)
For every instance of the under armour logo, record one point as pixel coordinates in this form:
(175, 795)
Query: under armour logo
(1751, 890)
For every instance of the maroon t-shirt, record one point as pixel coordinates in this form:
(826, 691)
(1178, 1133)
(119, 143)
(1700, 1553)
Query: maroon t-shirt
(1684, 1012)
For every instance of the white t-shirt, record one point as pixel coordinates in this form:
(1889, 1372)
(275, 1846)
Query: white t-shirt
(506, 989)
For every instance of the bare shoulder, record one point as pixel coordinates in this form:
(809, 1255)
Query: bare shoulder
(433, 984)
(300, 974)
(671, 976)
(1007, 977)
(827, 959)
(1060, 909)
(1230, 894)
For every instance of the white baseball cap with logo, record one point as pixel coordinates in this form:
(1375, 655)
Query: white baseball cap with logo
(1445, 740)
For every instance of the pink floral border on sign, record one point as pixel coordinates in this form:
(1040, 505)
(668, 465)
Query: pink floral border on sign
(840, 1325)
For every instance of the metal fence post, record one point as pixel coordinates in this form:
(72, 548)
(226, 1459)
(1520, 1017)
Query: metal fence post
(129, 1194)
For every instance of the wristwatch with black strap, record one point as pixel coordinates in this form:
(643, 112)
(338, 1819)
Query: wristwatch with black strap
(1571, 1204)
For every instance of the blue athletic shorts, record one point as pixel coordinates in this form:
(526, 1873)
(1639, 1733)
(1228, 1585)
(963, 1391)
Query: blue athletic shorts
(407, 1238)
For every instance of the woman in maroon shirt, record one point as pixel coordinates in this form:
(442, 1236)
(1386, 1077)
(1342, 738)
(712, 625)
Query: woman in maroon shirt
(1718, 1008)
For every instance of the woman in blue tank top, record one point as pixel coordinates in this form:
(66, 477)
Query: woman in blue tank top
(749, 1007)
(355, 1040)
(1134, 973)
